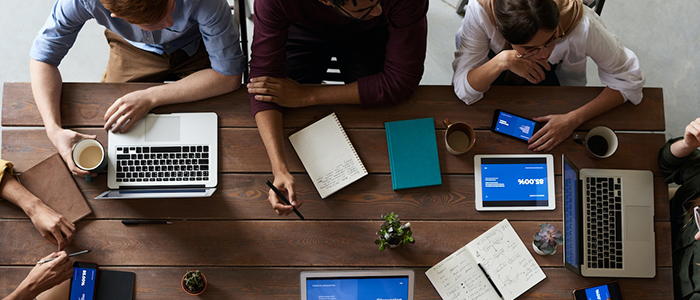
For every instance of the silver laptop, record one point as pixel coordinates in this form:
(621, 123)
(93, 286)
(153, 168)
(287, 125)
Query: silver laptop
(608, 222)
(164, 156)
(357, 284)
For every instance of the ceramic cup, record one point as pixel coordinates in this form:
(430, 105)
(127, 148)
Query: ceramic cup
(459, 137)
(89, 155)
(600, 142)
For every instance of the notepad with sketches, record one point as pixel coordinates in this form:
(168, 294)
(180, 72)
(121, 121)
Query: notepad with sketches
(504, 258)
(413, 155)
(51, 181)
(328, 155)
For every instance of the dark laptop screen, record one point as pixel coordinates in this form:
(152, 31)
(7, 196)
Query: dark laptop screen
(571, 214)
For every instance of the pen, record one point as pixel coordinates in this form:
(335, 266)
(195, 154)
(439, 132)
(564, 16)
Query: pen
(284, 199)
(490, 281)
(137, 222)
(69, 255)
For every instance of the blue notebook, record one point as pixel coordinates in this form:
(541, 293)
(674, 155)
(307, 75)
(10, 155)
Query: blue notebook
(413, 153)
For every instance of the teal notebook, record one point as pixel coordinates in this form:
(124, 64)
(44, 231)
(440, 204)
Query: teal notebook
(413, 153)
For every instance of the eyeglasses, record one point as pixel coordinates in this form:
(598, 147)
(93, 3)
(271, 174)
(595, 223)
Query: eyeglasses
(697, 216)
(369, 10)
(553, 40)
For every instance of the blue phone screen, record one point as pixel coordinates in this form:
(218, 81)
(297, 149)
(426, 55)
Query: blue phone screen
(598, 293)
(83, 284)
(515, 126)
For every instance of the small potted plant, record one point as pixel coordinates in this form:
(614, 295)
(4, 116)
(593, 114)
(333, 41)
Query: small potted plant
(194, 283)
(547, 239)
(392, 233)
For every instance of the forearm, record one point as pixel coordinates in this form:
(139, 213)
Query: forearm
(334, 94)
(680, 149)
(482, 77)
(605, 101)
(197, 86)
(15, 193)
(21, 293)
(269, 124)
(46, 87)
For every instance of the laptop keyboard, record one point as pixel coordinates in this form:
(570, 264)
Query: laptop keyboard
(604, 219)
(161, 164)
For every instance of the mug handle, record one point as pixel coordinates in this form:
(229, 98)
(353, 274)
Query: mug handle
(580, 139)
(88, 178)
(446, 122)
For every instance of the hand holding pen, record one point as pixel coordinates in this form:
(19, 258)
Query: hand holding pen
(52, 257)
(283, 198)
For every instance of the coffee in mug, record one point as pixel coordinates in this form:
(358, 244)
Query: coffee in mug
(459, 137)
(600, 142)
(89, 155)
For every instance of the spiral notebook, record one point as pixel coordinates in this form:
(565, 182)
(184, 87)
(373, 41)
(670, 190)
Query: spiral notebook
(328, 155)
(496, 265)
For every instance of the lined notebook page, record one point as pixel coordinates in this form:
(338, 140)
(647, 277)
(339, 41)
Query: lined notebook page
(327, 155)
(458, 277)
(506, 259)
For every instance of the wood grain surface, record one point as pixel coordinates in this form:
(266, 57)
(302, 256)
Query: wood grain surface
(248, 252)
(84, 104)
(283, 283)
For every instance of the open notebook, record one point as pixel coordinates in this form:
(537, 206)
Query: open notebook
(503, 257)
(328, 156)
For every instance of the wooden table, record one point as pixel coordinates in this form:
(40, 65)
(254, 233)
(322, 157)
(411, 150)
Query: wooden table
(247, 252)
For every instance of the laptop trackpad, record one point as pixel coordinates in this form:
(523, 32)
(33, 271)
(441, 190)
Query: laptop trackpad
(163, 129)
(637, 223)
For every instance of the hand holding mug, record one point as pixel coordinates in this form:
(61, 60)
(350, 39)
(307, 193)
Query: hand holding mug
(89, 155)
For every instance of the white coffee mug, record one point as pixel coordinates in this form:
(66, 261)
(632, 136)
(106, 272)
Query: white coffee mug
(89, 155)
(600, 142)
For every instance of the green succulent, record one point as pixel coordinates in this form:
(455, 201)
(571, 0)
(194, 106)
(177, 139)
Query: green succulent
(194, 281)
(548, 238)
(391, 232)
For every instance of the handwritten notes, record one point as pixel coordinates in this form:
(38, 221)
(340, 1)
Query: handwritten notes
(458, 277)
(504, 257)
(328, 156)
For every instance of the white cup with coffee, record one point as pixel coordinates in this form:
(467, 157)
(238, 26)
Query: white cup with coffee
(89, 155)
(600, 142)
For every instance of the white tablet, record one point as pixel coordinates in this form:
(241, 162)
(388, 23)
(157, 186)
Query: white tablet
(357, 284)
(514, 182)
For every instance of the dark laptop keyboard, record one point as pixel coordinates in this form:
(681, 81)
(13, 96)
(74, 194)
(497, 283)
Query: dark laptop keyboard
(604, 220)
(161, 164)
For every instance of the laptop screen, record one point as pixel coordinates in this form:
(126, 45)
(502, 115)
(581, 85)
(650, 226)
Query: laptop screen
(571, 214)
(357, 288)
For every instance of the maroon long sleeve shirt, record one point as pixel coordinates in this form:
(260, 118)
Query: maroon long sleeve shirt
(405, 47)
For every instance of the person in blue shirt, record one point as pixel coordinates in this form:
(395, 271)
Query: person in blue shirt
(194, 43)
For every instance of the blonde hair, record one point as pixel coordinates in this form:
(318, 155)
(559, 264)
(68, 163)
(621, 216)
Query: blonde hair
(138, 11)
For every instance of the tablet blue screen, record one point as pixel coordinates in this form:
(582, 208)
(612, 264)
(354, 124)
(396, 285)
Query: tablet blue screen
(515, 126)
(356, 288)
(514, 182)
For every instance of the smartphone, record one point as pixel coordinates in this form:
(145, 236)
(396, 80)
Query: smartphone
(513, 125)
(605, 291)
(84, 281)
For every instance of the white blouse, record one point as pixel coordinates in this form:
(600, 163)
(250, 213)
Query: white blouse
(618, 67)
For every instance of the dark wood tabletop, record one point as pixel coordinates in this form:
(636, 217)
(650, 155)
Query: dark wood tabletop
(248, 252)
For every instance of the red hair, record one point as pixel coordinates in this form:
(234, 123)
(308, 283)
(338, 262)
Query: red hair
(138, 11)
